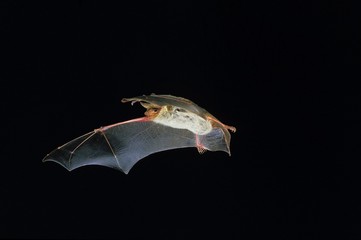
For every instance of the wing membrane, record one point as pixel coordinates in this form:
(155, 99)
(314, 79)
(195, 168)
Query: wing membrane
(122, 145)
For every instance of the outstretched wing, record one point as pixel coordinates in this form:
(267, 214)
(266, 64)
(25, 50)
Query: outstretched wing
(122, 145)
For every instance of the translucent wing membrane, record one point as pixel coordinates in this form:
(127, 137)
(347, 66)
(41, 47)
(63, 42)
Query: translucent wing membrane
(122, 145)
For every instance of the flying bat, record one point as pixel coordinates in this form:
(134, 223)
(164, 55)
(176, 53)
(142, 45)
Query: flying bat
(170, 122)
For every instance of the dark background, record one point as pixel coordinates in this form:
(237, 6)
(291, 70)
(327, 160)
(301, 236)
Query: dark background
(273, 69)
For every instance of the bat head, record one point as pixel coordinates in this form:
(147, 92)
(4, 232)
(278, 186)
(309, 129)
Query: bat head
(152, 111)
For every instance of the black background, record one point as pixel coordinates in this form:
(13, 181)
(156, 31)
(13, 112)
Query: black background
(273, 69)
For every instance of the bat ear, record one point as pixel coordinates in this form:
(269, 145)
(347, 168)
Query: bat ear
(146, 105)
(149, 105)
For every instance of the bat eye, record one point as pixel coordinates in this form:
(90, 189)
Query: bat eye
(152, 112)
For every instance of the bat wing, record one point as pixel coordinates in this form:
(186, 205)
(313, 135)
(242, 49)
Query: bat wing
(122, 145)
(162, 100)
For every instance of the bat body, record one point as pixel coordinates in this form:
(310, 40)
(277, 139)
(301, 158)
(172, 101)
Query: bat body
(170, 122)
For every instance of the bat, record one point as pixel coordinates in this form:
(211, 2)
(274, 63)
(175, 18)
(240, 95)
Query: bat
(170, 122)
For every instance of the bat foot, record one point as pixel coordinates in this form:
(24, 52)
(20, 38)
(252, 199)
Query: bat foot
(216, 121)
(201, 149)
(231, 128)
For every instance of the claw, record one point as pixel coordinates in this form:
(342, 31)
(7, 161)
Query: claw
(231, 128)
(201, 149)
